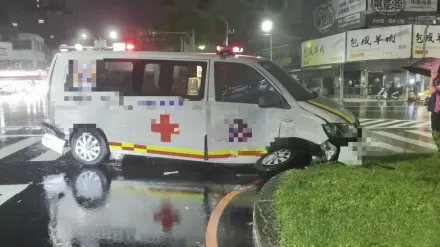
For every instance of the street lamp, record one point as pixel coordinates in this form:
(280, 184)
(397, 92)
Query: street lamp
(84, 35)
(113, 35)
(266, 27)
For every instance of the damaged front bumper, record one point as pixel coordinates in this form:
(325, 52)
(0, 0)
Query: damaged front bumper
(347, 150)
(53, 138)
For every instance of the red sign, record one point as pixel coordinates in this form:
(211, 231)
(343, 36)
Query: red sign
(167, 216)
(165, 128)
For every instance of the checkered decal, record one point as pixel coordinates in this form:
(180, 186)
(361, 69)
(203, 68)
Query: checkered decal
(239, 131)
(161, 103)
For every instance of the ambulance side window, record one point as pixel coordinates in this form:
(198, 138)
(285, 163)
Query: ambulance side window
(238, 83)
(150, 86)
(188, 80)
(99, 76)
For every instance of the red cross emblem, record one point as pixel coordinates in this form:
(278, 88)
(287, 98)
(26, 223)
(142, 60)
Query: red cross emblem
(167, 216)
(165, 128)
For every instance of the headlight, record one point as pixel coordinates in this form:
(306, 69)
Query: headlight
(341, 130)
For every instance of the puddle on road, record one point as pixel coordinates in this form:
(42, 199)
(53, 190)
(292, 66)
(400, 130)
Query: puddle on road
(142, 206)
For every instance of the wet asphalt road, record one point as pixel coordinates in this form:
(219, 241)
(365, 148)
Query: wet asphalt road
(48, 200)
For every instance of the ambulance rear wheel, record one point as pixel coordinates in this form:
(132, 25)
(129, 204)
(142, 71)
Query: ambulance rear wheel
(89, 147)
(276, 161)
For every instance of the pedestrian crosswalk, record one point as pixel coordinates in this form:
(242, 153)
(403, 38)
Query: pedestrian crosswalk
(369, 123)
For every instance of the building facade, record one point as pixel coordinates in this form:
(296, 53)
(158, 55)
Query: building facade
(26, 52)
(356, 47)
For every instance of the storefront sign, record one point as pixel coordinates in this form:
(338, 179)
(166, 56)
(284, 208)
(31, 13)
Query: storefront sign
(5, 49)
(432, 48)
(400, 12)
(327, 50)
(379, 43)
(335, 16)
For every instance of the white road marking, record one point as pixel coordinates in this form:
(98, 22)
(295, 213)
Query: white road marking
(21, 127)
(390, 147)
(421, 133)
(383, 124)
(8, 191)
(422, 125)
(25, 135)
(22, 144)
(365, 120)
(406, 123)
(372, 122)
(405, 139)
(50, 155)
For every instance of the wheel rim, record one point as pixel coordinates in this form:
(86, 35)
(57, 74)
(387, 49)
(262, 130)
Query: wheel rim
(87, 147)
(277, 157)
(89, 185)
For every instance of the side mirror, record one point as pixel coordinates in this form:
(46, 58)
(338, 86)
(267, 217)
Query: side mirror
(269, 99)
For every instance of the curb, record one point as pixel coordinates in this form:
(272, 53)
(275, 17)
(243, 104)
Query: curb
(263, 216)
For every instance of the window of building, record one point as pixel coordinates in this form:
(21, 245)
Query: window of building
(238, 83)
(22, 64)
(22, 45)
(138, 77)
(5, 64)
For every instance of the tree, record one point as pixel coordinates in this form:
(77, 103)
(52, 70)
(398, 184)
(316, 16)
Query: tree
(209, 17)
(7, 33)
(185, 16)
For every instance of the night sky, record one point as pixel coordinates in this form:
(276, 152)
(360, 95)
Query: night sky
(117, 13)
(96, 16)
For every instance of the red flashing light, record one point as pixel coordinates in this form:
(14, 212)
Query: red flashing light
(227, 50)
(64, 48)
(130, 47)
(237, 49)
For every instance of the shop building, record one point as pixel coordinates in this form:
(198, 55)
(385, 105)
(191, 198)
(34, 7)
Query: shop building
(359, 63)
(381, 36)
(26, 51)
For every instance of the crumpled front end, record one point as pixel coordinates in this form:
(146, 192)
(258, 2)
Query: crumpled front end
(344, 144)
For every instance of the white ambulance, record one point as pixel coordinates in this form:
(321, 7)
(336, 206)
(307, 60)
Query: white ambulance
(222, 108)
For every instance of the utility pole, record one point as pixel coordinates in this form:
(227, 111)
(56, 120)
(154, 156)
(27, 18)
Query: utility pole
(425, 33)
(193, 41)
(227, 34)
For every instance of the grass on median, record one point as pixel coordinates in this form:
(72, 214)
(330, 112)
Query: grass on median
(394, 204)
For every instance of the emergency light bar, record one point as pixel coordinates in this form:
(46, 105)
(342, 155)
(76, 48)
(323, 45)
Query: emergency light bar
(115, 47)
(229, 50)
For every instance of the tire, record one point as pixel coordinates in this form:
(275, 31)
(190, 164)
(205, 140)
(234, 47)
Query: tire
(90, 188)
(276, 161)
(97, 151)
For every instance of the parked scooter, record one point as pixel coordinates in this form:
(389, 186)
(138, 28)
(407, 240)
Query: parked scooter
(387, 95)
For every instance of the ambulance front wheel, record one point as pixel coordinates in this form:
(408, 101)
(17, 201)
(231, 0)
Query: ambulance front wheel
(89, 147)
(276, 161)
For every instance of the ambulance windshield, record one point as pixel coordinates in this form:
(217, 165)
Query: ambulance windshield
(296, 89)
